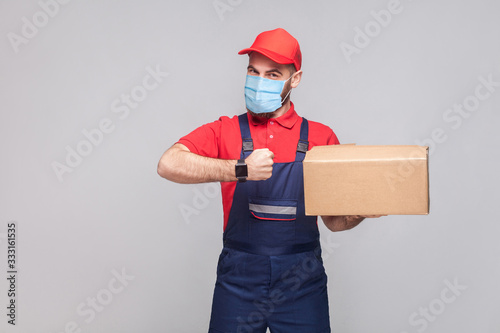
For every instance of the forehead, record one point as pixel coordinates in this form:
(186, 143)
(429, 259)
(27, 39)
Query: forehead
(260, 61)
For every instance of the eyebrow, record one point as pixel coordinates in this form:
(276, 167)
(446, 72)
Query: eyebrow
(274, 70)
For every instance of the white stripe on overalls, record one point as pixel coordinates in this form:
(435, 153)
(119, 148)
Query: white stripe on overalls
(273, 209)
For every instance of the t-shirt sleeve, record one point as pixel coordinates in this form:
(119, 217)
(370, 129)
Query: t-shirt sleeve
(204, 140)
(321, 135)
(332, 139)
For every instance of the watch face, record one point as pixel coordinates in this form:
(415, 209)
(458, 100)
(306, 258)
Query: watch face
(241, 171)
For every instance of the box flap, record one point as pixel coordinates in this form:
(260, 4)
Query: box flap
(358, 153)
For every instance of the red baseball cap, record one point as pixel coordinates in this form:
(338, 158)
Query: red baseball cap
(279, 46)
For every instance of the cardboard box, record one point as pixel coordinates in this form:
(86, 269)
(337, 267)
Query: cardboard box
(366, 180)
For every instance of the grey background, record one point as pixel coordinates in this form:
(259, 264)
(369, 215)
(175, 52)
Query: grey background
(114, 212)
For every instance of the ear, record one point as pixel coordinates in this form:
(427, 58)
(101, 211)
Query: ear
(297, 76)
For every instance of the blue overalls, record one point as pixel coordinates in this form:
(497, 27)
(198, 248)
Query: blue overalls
(270, 272)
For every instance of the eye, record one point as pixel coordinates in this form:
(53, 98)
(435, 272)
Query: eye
(273, 75)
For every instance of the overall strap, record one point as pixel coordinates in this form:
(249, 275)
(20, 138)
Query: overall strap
(246, 137)
(303, 144)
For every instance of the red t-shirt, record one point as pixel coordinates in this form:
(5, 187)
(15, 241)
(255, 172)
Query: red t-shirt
(222, 139)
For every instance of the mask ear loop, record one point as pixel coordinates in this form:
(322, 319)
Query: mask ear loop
(284, 99)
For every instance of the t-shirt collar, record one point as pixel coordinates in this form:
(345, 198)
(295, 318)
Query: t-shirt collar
(286, 120)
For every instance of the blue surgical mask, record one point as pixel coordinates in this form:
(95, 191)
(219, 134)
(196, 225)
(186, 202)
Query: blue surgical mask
(264, 95)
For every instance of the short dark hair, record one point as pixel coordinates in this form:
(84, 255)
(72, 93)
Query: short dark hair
(292, 69)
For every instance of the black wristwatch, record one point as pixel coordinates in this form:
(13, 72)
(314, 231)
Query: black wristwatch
(241, 171)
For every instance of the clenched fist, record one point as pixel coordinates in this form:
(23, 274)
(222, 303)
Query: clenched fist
(260, 164)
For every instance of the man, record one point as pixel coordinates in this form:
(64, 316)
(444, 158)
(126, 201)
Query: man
(270, 272)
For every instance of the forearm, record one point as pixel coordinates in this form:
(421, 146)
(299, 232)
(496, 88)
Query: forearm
(340, 223)
(180, 165)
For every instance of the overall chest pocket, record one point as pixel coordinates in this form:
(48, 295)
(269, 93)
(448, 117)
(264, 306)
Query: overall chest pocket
(273, 209)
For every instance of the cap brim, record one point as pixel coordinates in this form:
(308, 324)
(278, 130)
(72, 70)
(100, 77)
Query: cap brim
(278, 58)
